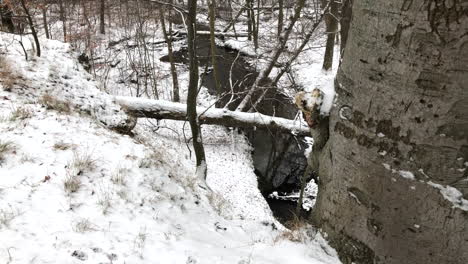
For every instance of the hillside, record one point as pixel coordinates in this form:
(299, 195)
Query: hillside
(74, 190)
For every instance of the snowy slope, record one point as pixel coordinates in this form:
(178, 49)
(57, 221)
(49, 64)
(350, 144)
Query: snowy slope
(73, 191)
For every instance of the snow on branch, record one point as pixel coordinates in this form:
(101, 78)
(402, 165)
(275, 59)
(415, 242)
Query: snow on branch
(159, 109)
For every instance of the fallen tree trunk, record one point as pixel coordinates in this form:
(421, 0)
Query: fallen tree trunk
(217, 34)
(159, 109)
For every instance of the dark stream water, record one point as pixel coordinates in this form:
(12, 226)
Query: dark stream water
(278, 157)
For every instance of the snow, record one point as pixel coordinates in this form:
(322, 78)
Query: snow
(141, 104)
(407, 174)
(310, 193)
(452, 195)
(134, 199)
(312, 76)
(243, 46)
(403, 173)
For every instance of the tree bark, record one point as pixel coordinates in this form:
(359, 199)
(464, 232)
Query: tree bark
(44, 20)
(193, 92)
(168, 39)
(398, 141)
(7, 14)
(63, 18)
(331, 22)
(158, 109)
(280, 17)
(102, 9)
(212, 6)
(345, 21)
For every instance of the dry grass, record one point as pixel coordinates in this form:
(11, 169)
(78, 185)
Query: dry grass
(152, 159)
(119, 177)
(7, 76)
(21, 113)
(82, 162)
(62, 145)
(6, 147)
(105, 200)
(84, 225)
(51, 102)
(218, 202)
(72, 183)
(296, 231)
(7, 215)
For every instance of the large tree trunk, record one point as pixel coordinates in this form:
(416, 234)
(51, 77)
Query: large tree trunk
(402, 107)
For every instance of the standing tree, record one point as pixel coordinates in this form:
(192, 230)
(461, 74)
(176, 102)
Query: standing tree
(168, 38)
(212, 7)
(193, 91)
(393, 174)
(63, 18)
(102, 11)
(7, 16)
(280, 17)
(331, 23)
(31, 26)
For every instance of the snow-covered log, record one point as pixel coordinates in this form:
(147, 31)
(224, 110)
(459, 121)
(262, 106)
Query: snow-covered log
(217, 34)
(159, 109)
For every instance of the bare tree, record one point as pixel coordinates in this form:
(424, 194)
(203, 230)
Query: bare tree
(44, 7)
(7, 17)
(193, 91)
(31, 26)
(102, 9)
(63, 18)
(280, 17)
(262, 77)
(331, 22)
(212, 6)
(168, 38)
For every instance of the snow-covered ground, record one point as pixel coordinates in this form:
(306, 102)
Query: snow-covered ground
(73, 191)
